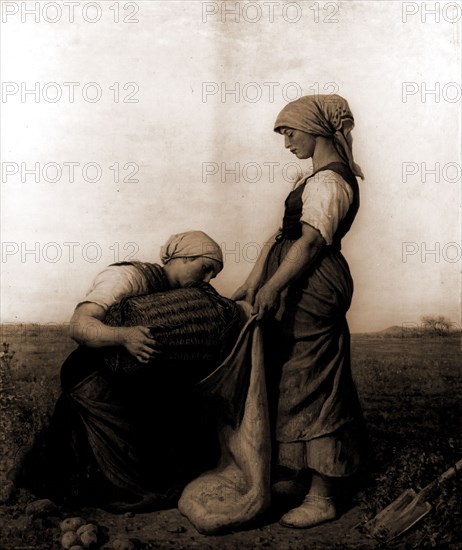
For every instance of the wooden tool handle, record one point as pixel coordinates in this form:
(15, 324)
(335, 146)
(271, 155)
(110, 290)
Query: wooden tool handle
(450, 472)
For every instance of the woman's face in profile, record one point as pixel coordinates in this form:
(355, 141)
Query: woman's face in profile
(301, 144)
(191, 271)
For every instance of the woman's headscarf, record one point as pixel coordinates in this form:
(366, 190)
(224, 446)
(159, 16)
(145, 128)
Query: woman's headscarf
(322, 115)
(192, 244)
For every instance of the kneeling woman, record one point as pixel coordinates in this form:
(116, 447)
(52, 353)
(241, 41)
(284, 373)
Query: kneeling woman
(127, 441)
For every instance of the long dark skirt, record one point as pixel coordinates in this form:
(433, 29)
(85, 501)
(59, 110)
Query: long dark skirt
(318, 420)
(122, 441)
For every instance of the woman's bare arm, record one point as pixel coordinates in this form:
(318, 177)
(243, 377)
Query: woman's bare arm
(248, 290)
(297, 260)
(88, 329)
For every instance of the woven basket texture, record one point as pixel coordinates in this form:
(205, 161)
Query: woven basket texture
(190, 324)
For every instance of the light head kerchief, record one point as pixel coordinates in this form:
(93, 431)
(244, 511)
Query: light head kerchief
(322, 115)
(191, 244)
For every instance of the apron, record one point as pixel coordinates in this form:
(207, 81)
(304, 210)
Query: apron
(310, 349)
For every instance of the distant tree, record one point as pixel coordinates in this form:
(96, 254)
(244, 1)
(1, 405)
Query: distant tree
(436, 324)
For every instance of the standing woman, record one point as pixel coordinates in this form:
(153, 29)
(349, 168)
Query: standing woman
(304, 279)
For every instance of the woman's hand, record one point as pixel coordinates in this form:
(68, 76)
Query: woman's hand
(245, 292)
(87, 329)
(297, 261)
(139, 342)
(266, 301)
(254, 280)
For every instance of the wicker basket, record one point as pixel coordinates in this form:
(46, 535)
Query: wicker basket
(191, 324)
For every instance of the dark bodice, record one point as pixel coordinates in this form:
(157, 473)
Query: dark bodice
(292, 225)
(153, 273)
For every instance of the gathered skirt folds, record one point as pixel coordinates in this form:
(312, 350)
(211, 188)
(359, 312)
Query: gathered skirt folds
(134, 442)
(317, 418)
(122, 441)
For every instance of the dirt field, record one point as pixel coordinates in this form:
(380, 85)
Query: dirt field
(410, 389)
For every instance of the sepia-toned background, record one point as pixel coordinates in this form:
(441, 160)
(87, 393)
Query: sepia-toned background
(178, 98)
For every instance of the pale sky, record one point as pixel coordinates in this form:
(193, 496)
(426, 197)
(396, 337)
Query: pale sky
(187, 131)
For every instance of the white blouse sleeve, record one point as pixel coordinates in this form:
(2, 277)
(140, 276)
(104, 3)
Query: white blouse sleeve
(114, 283)
(326, 200)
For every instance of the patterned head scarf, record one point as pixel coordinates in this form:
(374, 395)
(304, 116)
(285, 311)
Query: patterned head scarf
(322, 115)
(192, 244)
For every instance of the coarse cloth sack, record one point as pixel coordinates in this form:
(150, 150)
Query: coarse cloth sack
(237, 491)
(190, 325)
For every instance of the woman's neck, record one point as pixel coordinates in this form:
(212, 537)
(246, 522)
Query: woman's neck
(325, 153)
